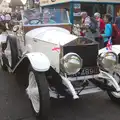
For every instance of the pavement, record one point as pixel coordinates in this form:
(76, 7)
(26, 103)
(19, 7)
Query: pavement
(14, 104)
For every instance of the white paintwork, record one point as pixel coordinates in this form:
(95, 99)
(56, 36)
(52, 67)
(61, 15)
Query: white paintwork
(46, 48)
(32, 33)
(115, 48)
(39, 61)
(55, 35)
(103, 75)
(69, 85)
(44, 39)
(110, 79)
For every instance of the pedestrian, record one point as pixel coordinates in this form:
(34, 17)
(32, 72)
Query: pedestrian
(7, 20)
(2, 23)
(108, 28)
(116, 31)
(101, 23)
(91, 29)
(117, 22)
(85, 24)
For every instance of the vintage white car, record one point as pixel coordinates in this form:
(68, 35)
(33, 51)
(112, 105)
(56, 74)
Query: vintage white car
(54, 63)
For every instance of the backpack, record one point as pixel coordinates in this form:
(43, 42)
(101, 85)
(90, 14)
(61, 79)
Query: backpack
(93, 25)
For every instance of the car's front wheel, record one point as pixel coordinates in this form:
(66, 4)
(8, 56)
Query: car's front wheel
(115, 96)
(38, 93)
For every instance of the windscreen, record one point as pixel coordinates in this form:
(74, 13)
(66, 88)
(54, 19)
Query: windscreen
(33, 17)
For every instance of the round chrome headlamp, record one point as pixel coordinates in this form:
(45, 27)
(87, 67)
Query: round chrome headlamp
(108, 60)
(71, 63)
(15, 28)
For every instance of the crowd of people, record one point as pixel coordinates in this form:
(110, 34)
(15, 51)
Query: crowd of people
(5, 18)
(101, 30)
(8, 20)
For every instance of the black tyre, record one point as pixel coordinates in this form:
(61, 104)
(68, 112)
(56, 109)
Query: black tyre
(38, 93)
(11, 52)
(114, 96)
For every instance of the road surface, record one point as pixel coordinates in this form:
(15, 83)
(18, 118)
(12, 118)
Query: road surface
(14, 104)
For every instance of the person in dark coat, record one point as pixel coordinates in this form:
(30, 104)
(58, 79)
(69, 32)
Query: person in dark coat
(117, 22)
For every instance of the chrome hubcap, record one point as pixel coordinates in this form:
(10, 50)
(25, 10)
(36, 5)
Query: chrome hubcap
(33, 92)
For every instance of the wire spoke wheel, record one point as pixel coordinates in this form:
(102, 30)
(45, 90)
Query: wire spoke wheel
(33, 92)
(38, 93)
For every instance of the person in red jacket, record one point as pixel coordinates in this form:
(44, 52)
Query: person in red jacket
(101, 22)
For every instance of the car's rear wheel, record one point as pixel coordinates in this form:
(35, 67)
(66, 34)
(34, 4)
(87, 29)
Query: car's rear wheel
(38, 93)
(115, 96)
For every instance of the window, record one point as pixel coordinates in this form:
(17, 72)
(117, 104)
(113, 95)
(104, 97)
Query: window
(48, 16)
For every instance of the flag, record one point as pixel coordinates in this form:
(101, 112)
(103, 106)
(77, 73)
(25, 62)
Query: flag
(56, 49)
(109, 44)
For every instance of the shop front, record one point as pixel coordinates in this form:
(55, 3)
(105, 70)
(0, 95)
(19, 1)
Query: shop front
(91, 6)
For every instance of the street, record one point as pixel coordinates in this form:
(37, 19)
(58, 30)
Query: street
(14, 104)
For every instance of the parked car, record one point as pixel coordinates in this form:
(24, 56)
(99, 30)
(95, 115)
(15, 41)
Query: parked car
(58, 64)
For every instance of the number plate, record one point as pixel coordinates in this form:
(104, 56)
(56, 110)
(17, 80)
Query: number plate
(86, 71)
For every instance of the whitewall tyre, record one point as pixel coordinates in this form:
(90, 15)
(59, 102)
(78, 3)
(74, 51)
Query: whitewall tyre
(38, 93)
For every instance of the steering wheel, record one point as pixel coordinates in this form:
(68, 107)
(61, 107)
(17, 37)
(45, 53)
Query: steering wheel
(34, 21)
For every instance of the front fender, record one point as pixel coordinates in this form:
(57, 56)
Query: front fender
(39, 61)
(115, 48)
